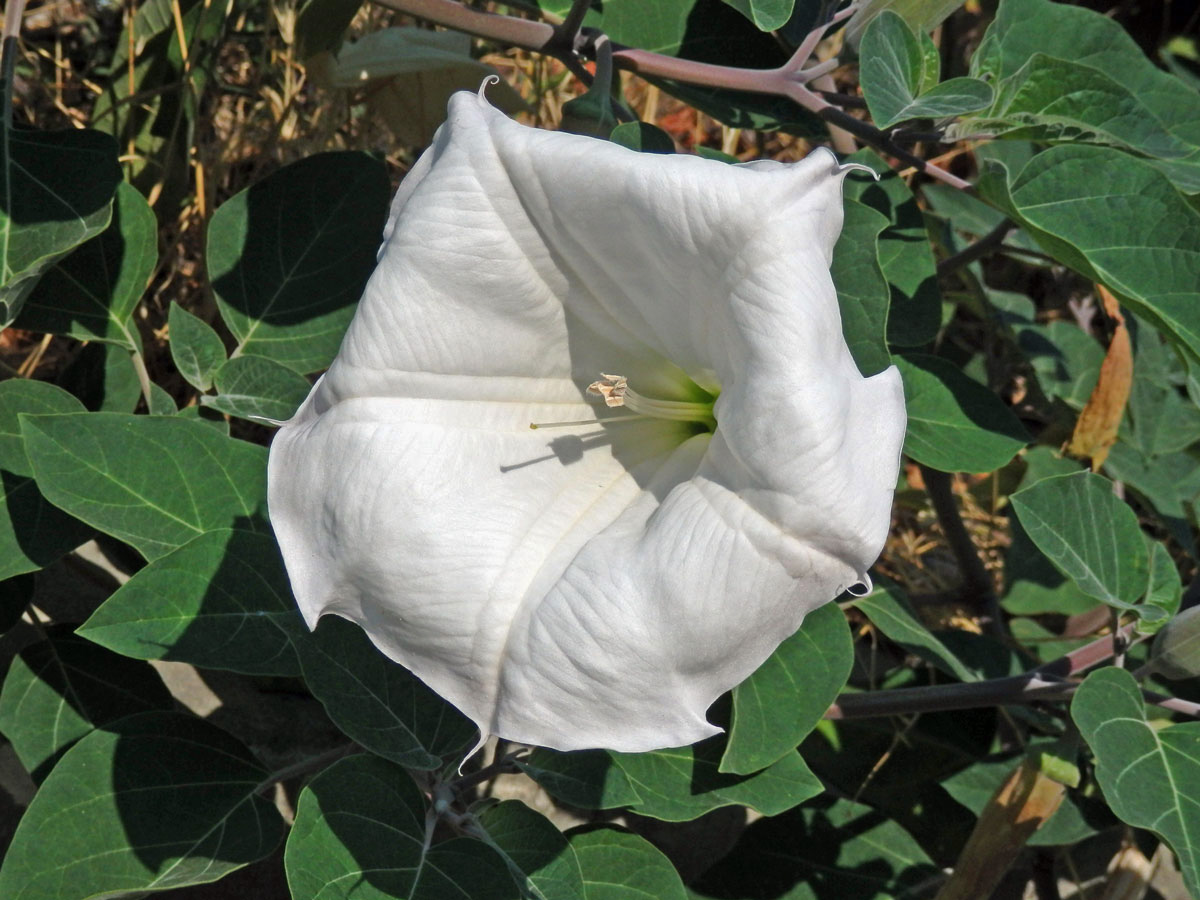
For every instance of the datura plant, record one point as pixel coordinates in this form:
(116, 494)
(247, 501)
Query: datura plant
(757, 454)
(593, 444)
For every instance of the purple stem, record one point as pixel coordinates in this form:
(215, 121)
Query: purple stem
(786, 81)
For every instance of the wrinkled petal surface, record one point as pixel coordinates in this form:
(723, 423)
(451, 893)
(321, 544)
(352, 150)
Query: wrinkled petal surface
(599, 585)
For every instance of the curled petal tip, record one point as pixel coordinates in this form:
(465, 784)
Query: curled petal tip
(483, 86)
(847, 168)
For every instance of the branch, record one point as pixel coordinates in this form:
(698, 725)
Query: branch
(1044, 683)
(789, 80)
(993, 240)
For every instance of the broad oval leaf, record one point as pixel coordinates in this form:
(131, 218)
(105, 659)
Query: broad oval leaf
(904, 251)
(221, 601)
(776, 707)
(156, 482)
(1148, 254)
(900, 84)
(588, 779)
(168, 800)
(1150, 776)
(91, 293)
(538, 856)
(891, 614)
(955, 423)
(56, 193)
(618, 865)
(33, 532)
(289, 257)
(60, 689)
(196, 348)
(684, 783)
(378, 703)
(863, 292)
(1089, 534)
(767, 15)
(837, 850)
(361, 833)
(1071, 74)
(253, 387)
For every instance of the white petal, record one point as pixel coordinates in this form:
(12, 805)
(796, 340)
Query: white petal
(598, 586)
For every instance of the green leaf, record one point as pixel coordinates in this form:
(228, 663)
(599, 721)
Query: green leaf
(91, 293)
(1150, 776)
(289, 257)
(196, 348)
(155, 482)
(1163, 589)
(408, 74)
(955, 423)
(921, 15)
(685, 782)
(905, 255)
(588, 779)
(252, 387)
(618, 865)
(1033, 586)
(320, 25)
(1090, 535)
(60, 689)
(776, 707)
(156, 801)
(33, 533)
(56, 193)
(863, 293)
(360, 833)
(1147, 254)
(376, 702)
(891, 614)
(1070, 74)
(767, 15)
(1176, 651)
(642, 136)
(221, 601)
(893, 73)
(839, 850)
(536, 852)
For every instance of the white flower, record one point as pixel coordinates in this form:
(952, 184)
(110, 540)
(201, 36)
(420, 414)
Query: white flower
(593, 585)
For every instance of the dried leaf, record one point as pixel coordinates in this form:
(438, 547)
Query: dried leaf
(1025, 802)
(1096, 428)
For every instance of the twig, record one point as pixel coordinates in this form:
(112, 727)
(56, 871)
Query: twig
(981, 248)
(788, 80)
(303, 767)
(976, 579)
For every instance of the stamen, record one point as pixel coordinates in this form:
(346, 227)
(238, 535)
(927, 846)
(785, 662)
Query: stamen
(605, 421)
(616, 391)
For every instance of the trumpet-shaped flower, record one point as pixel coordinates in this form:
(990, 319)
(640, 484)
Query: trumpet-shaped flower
(717, 466)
